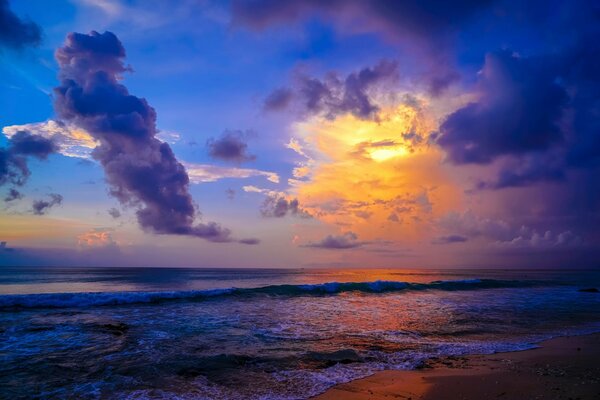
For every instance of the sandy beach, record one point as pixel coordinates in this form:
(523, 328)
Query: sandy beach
(562, 368)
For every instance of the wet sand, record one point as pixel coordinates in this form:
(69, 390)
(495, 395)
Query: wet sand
(563, 368)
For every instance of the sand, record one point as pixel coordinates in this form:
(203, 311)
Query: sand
(563, 368)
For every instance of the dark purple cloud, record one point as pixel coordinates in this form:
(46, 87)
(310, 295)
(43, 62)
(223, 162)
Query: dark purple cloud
(348, 240)
(334, 96)
(449, 239)
(231, 146)
(279, 99)
(527, 171)
(429, 20)
(141, 170)
(26, 144)
(13, 158)
(113, 212)
(519, 110)
(15, 32)
(428, 27)
(13, 194)
(41, 207)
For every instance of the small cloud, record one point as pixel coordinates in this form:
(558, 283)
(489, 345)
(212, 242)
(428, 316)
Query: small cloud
(113, 212)
(279, 206)
(96, 238)
(41, 207)
(449, 239)
(200, 173)
(231, 146)
(278, 100)
(13, 194)
(249, 241)
(393, 217)
(230, 193)
(348, 240)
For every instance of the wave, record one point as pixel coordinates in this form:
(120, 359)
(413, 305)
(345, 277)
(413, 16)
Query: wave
(92, 299)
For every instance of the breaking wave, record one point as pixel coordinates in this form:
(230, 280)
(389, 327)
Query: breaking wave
(92, 299)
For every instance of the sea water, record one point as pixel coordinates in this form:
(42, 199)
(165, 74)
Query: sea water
(145, 333)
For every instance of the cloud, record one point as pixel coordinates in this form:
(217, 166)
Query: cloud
(13, 158)
(96, 238)
(41, 207)
(519, 110)
(348, 240)
(525, 171)
(278, 99)
(427, 19)
(249, 241)
(279, 206)
(12, 195)
(231, 147)
(335, 96)
(449, 239)
(200, 173)
(16, 33)
(113, 212)
(427, 28)
(26, 144)
(141, 170)
(504, 235)
(546, 240)
(364, 171)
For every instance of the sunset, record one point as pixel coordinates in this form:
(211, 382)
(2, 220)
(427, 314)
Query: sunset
(320, 197)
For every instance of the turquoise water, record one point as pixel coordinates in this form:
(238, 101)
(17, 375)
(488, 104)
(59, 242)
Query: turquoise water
(264, 334)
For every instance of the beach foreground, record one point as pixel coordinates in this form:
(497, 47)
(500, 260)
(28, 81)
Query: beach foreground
(562, 368)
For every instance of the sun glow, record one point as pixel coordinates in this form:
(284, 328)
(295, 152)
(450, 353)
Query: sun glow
(378, 178)
(385, 154)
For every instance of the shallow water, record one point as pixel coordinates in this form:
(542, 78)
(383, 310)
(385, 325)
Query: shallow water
(264, 334)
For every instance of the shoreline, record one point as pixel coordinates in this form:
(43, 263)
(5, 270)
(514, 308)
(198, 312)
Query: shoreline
(560, 368)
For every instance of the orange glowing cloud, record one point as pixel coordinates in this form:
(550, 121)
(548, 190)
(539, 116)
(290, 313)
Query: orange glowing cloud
(378, 178)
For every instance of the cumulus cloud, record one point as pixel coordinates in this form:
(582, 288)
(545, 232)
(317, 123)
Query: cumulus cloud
(348, 240)
(15, 32)
(334, 96)
(231, 146)
(141, 170)
(113, 212)
(519, 110)
(41, 207)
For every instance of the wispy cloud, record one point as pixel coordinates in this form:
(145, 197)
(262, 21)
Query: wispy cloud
(200, 173)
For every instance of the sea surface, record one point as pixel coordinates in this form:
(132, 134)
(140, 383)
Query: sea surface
(163, 333)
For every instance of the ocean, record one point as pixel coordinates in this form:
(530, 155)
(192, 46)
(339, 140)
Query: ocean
(165, 333)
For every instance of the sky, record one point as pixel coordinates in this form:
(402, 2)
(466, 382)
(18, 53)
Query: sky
(299, 134)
